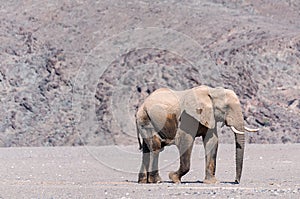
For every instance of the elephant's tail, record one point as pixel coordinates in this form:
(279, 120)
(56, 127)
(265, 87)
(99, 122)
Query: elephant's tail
(138, 135)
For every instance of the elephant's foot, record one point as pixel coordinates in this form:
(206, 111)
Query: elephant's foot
(211, 180)
(175, 177)
(142, 178)
(154, 178)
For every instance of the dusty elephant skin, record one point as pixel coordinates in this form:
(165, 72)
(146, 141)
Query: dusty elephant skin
(176, 117)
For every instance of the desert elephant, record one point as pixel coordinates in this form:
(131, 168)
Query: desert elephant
(176, 117)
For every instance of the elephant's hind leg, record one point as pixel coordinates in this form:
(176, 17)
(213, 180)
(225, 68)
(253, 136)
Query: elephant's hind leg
(153, 174)
(143, 174)
(185, 145)
(149, 168)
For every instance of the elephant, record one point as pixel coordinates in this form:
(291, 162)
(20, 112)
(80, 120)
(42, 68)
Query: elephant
(168, 117)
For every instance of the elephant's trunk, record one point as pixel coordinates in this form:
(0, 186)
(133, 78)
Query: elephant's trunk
(240, 146)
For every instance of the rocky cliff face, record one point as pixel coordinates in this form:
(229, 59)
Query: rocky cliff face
(73, 73)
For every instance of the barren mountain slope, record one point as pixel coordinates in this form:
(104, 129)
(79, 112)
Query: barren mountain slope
(73, 72)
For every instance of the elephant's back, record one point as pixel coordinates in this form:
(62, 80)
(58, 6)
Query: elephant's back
(165, 98)
(163, 95)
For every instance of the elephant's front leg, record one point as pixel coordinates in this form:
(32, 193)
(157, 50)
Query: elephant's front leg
(210, 141)
(184, 142)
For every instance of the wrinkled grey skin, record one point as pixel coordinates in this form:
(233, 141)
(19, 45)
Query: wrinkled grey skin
(176, 117)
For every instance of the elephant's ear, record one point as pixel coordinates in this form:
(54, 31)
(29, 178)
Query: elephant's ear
(198, 104)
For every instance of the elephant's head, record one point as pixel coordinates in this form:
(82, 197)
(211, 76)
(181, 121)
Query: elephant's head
(210, 105)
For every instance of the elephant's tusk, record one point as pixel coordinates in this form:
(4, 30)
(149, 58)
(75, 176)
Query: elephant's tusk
(251, 130)
(236, 131)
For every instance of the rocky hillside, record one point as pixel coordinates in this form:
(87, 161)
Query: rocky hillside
(73, 72)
